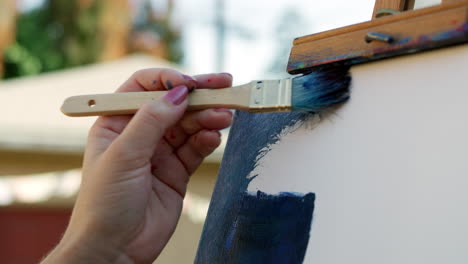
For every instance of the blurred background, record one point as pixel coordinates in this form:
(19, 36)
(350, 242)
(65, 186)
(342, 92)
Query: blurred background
(52, 49)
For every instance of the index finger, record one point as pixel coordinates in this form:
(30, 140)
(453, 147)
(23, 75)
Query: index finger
(214, 80)
(155, 79)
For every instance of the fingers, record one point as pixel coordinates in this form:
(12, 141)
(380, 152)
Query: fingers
(169, 169)
(157, 79)
(146, 129)
(174, 168)
(103, 132)
(211, 119)
(193, 122)
(207, 119)
(197, 148)
(164, 79)
(140, 134)
(214, 80)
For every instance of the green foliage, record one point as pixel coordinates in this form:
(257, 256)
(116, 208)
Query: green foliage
(161, 26)
(60, 34)
(167, 35)
(172, 38)
(55, 36)
(20, 62)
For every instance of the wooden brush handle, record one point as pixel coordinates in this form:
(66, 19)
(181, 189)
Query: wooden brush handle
(128, 103)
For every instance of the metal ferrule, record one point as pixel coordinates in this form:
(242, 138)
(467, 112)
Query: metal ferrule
(272, 96)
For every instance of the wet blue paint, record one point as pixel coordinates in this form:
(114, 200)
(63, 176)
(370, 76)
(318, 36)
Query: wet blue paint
(404, 41)
(461, 30)
(317, 90)
(270, 228)
(233, 211)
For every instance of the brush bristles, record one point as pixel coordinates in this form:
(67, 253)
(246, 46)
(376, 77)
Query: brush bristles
(320, 89)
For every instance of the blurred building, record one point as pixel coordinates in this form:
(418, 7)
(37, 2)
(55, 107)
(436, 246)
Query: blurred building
(62, 34)
(41, 150)
(40, 158)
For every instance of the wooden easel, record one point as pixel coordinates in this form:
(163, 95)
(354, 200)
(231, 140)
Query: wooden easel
(396, 6)
(387, 172)
(395, 29)
(391, 6)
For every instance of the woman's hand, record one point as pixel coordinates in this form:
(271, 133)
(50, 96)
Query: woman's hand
(136, 170)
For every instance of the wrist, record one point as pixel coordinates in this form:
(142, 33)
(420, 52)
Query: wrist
(85, 250)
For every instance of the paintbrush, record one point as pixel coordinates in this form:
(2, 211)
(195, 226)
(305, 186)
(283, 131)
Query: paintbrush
(311, 92)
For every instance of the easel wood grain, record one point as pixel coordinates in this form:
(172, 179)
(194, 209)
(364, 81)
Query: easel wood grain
(382, 21)
(411, 31)
(397, 118)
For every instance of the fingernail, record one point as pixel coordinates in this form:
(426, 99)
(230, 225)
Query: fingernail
(188, 78)
(223, 110)
(193, 83)
(227, 73)
(177, 95)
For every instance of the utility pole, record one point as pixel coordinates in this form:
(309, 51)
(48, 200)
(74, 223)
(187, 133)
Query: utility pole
(220, 35)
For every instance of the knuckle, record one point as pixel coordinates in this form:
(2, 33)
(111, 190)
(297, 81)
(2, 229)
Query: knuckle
(202, 150)
(158, 114)
(122, 154)
(192, 123)
(137, 73)
(154, 114)
(169, 72)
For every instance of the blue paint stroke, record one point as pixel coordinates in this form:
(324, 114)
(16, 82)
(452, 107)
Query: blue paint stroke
(461, 30)
(270, 229)
(317, 90)
(249, 134)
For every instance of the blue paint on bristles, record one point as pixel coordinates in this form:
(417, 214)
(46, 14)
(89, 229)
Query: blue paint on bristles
(321, 88)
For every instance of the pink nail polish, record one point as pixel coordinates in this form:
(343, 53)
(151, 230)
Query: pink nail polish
(193, 83)
(227, 73)
(177, 94)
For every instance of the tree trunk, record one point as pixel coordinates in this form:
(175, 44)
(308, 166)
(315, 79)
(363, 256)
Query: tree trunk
(7, 27)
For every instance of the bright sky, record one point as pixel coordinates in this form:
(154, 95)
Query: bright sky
(249, 58)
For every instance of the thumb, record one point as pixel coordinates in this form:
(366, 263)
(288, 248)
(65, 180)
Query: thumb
(148, 126)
